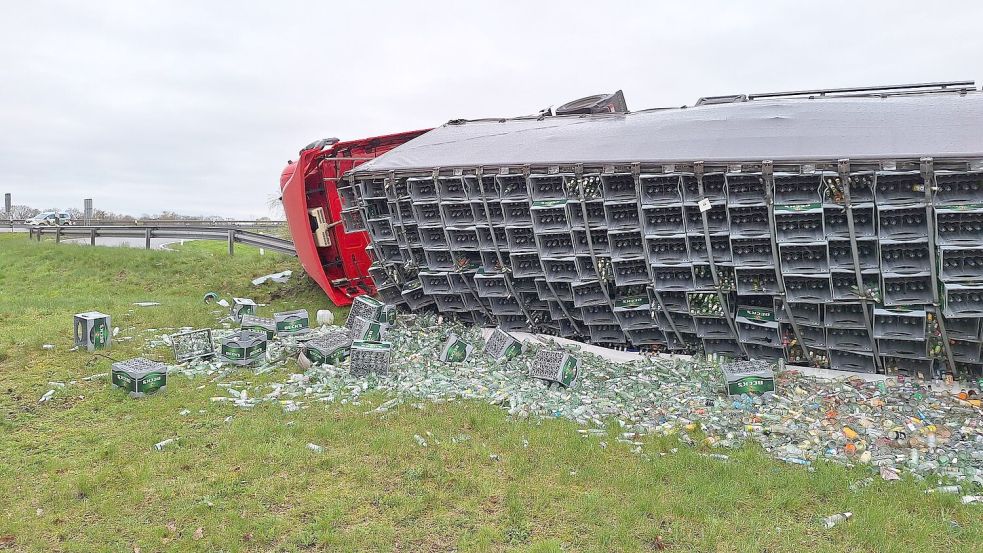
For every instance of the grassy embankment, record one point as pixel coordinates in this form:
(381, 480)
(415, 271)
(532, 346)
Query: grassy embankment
(79, 473)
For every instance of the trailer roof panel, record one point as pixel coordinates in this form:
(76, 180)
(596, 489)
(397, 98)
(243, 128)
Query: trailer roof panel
(937, 125)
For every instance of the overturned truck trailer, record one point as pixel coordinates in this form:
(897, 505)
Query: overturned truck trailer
(838, 228)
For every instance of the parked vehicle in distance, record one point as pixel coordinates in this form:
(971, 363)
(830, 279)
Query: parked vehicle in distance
(50, 219)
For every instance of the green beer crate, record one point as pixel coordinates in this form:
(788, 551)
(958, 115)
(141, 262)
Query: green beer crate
(331, 349)
(748, 377)
(290, 323)
(502, 346)
(139, 376)
(93, 330)
(262, 325)
(555, 366)
(365, 307)
(241, 307)
(243, 347)
(455, 350)
(195, 344)
(370, 357)
(366, 330)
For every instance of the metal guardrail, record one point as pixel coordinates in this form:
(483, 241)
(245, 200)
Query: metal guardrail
(231, 235)
(265, 241)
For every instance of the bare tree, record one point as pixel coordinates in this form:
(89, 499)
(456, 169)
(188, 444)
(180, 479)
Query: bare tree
(102, 215)
(22, 212)
(26, 212)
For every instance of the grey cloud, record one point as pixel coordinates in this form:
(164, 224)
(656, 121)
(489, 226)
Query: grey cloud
(195, 107)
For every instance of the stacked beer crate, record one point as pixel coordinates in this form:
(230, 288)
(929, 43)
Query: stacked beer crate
(873, 270)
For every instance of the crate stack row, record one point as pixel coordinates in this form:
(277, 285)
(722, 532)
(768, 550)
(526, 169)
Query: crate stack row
(734, 263)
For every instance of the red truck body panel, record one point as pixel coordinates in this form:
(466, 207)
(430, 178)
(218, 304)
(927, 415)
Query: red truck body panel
(340, 268)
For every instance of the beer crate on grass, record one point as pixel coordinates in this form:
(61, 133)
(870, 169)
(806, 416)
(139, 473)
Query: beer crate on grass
(195, 344)
(241, 307)
(290, 323)
(262, 325)
(331, 349)
(370, 357)
(93, 330)
(139, 376)
(243, 347)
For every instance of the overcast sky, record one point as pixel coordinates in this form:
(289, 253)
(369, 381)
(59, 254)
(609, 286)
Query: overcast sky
(196, 106)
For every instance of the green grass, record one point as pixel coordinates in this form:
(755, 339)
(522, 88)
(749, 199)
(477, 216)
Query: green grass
(79, 473)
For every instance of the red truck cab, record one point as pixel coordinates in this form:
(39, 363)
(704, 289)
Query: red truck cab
(336, 260)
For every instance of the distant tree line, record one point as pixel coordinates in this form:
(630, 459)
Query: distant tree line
(26, 212)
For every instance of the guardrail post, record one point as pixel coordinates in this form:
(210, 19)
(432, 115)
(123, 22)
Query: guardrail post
(147, 234)
(39, 234)
(57, 235)
(232, 241)
(92, 237)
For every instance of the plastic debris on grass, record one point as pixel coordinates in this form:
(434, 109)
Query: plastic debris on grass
(279, 278)
(159, 446)
(894, 427)
(324, 317)
(833, 520)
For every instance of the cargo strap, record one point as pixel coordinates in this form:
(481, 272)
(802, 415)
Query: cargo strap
(578, 175)
(843, 170)
(447, 237)
(573, 322)
(768, 175)
(721, 297)
(506, 271)
(363, 212)
(399, 218)
(636, 172)
(927, 167)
